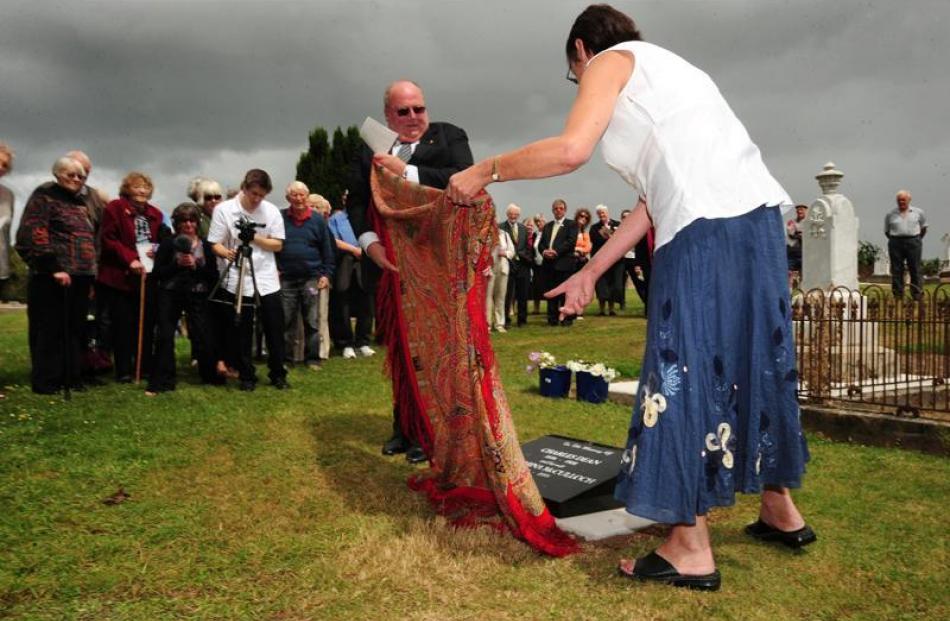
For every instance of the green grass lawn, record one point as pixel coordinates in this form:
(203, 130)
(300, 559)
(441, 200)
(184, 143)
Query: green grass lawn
(279, 505)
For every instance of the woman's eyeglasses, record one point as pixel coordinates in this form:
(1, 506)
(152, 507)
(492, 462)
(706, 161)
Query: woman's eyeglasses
(73, 175)
(212, 197)
(416, 109)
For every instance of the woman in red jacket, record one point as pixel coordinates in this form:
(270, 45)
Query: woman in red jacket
(131, 229)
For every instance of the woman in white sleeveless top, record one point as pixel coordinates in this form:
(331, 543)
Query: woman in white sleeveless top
(716, 412)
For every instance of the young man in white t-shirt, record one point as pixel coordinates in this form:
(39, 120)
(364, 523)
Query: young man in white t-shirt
(268, 239)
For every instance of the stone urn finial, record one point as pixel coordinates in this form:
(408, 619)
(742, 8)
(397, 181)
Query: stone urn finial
(829, 179)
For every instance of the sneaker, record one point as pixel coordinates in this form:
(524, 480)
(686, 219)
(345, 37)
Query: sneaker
(348, 352)
(314, 366)
(500, 329)
(367, 351)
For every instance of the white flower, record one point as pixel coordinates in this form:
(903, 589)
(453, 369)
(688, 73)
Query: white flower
(576, 365)
(541, 360)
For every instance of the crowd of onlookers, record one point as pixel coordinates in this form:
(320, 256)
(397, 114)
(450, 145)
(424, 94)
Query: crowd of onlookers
(535, 255)
(112, 282)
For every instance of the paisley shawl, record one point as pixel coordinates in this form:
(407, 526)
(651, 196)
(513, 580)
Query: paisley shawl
(446, 383)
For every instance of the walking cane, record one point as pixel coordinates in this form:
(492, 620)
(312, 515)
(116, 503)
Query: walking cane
(138, 353)
(67, 366)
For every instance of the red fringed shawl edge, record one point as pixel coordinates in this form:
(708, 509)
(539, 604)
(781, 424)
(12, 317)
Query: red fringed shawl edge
(391, 326)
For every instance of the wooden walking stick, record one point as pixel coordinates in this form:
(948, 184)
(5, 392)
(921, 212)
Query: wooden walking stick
(138, 353)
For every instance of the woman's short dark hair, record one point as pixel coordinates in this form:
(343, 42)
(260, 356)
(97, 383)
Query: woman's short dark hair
(184, 211)
(257, 177)
(600, 27)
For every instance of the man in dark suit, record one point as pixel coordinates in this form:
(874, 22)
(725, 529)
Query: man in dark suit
(425, 153)
(557, 253)
(519, 278)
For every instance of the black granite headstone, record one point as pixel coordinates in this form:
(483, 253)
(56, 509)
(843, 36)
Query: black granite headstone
(574, 476)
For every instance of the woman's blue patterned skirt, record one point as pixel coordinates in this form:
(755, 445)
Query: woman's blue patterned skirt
(716, 410)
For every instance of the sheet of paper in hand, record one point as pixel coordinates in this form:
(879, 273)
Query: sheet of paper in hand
(378, 137)
(147, 262)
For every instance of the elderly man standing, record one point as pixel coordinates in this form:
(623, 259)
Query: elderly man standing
(425, 153)
(306, 265)
(519, 275)
(905, 227)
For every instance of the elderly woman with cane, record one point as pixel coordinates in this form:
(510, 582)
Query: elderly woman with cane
(131, 229)
(56, 238)
(716, 412)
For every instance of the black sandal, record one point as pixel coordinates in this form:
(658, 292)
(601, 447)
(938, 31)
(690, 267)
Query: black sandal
(655, 568)
(795, 539)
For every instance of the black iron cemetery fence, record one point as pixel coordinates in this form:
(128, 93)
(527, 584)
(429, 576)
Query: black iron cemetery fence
(870, 350)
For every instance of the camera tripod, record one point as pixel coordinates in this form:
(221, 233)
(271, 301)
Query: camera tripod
(244, 265)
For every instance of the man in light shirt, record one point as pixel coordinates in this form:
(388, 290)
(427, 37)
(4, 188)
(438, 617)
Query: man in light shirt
(268, 239)
(905, 227)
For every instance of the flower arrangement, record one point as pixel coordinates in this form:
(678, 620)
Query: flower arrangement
(597, 369)
(540, 360)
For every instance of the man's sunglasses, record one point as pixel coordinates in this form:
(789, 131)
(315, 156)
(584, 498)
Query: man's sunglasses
(212, 197)
(416, 109)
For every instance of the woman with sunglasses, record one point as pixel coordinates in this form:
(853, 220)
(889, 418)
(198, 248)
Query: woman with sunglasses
(185, 271)
(206, 193)
(716, 412)
(56, 239)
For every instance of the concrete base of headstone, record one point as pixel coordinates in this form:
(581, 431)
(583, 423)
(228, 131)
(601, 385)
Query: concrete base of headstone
(603, 524)
(623, 393)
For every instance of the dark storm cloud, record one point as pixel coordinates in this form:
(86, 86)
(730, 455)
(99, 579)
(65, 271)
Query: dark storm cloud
(214, 88)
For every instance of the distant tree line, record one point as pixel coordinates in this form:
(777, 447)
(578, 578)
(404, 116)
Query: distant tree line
(325, 166)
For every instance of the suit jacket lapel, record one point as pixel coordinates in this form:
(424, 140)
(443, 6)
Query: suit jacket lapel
(426, 144)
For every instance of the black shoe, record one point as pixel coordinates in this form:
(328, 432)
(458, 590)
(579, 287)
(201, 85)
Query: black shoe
(280, 383)
(793, 539)
(45, 390)
(247, 386)
(124, 379)
(522, 324)
(395, 445)
(78, 388)
(415, 455)
(655, 568)
(567, 323)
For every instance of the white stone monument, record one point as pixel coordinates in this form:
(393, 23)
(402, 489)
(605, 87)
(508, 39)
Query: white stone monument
(830, 237)
(882, 265)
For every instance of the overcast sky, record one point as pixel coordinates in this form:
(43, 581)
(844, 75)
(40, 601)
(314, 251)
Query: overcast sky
(178, 89)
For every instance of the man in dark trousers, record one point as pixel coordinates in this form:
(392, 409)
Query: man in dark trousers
(425, 153)
(905, 227)
(519, 279)
(557, 256)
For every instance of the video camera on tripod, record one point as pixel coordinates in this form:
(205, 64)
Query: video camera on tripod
(245, 227)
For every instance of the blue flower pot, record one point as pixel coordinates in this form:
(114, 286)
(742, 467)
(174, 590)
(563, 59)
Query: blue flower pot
(555, 382)
(591, 388)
